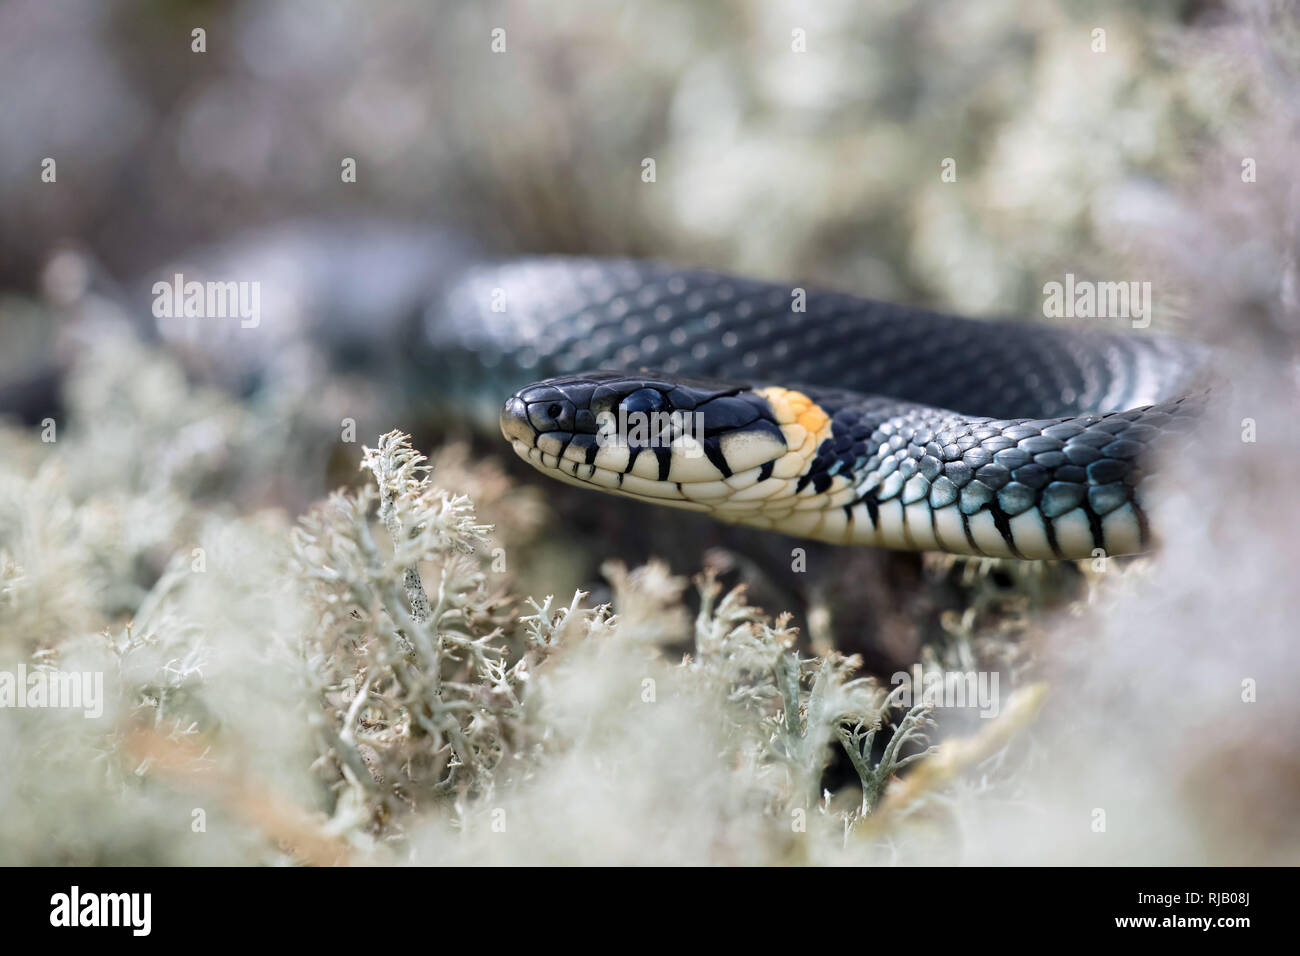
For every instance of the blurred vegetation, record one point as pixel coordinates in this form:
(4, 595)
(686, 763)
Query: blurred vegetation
(819, 165)
(364, 686)
(265, 668)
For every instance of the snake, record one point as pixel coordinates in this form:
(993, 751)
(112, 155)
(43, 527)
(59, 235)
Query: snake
(821, 414)
(810, 412)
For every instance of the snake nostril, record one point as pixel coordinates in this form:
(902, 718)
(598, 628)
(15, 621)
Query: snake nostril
(554, 410)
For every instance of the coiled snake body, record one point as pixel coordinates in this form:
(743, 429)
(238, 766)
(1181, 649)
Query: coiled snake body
(814, 413)
(849, 421)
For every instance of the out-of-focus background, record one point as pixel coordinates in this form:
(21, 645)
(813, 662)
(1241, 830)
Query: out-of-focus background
(822, 164)
(952, 154)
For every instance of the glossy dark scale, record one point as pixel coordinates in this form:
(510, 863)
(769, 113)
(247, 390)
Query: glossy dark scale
(1005, 467)
(565, 316)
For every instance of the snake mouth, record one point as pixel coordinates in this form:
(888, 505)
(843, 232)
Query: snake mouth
(708, 446)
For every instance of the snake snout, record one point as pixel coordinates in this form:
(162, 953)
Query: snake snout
(546, 409)
(514, 422)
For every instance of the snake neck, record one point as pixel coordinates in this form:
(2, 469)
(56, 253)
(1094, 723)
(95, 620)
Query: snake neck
(894, 474)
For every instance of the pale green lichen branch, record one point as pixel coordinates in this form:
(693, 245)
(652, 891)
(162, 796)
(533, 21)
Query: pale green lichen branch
(399, 470)
(858, 738)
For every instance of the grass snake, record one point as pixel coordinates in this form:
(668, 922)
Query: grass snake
(824, 415)
(809, 412)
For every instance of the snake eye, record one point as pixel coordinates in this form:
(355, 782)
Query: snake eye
(552, 416)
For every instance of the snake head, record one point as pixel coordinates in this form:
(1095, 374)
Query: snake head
(701, 445)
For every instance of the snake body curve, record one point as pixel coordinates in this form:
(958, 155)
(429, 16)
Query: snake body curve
(810, 412)
(849, 421)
